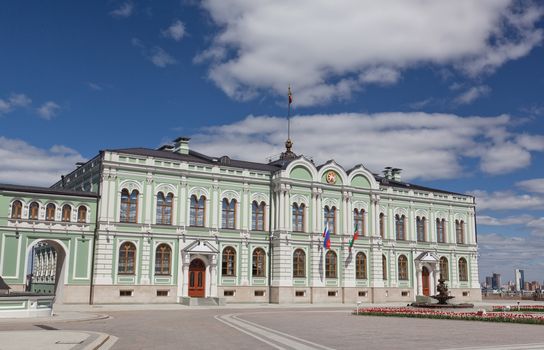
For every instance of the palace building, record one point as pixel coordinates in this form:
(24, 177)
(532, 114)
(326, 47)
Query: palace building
(172, 225)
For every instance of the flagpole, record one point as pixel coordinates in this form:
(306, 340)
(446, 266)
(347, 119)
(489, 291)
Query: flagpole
(289, 112)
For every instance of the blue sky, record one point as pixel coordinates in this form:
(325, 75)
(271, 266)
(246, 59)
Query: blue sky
(452, 92)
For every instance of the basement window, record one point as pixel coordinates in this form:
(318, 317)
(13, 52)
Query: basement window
(405, 293)
(163, 293)
(126, 293)
(259, 293)
(362, 293)
(466, 293)
(333, 293)
(228, 293)
(300, 293)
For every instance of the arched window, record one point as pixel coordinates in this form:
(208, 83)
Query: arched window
(127, 256)
(82, 214)
(330, 264)
(441, 230)
(359, 220)
(257, 216)
(66, 213)
(298, 217)
(384, 267)
(330, 218)
(259, 263)
(360, 266)
(129, 206)
(33, 211)
(299, 263)
(400, 226)
(403, 268)
(50, 212)
(16, 209)
(420, 227)
(164, 208)
(460, 231)
(198, 207)
(463, 270)
(229, 214)
(229, 262)
(382, 225)
(444, 268)
(163, 255)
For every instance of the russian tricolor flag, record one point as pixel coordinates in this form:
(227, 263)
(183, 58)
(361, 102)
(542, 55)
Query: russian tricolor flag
(327, 240)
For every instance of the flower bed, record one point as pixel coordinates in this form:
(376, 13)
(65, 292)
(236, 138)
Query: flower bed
(519, 308)
(467, 316)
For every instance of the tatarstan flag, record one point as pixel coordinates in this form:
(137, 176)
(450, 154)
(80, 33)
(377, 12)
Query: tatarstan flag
(355, 237)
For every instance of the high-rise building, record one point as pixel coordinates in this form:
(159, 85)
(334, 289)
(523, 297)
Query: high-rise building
(488, 282)
(519, 276)
(496, 281)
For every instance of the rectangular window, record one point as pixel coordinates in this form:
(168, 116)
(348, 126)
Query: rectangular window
(362, 293)
(162, 293)
(125, 293)
(300, 293)
(228, 293)
(405, 293)
(333, 293)
(259, 293)
(466, 294)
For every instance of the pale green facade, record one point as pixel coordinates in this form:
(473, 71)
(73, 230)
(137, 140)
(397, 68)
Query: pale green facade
(142, 274)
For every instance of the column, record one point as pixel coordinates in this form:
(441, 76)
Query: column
(213, 215)
(213, 275)
(419, 271)
(149, 197)
(183, 203)
(185, 268)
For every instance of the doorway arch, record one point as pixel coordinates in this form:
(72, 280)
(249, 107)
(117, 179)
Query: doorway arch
(197, 278)
(425, 281)
(46, 267)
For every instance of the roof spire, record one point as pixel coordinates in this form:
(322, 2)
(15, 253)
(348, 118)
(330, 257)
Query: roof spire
(288, 154)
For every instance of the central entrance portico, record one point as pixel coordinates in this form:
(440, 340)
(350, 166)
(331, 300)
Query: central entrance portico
(198, 270)
(427, 273)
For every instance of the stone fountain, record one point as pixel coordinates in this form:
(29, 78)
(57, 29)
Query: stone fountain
(442, 297)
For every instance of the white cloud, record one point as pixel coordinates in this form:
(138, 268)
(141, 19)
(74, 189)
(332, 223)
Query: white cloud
(157, 55)
(22, 163)
(314, 44)
(94, 86)
(176, 30)
(472, 94)
(506, 200)
(14, 101)
(48, 110)
(161, 58)
(123, 11)
(532, 185)
(428, 146)
(485, 220)
(380, 75)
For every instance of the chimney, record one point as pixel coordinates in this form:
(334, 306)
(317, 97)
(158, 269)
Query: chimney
(387, 174)
(396, 174)
(181, 145)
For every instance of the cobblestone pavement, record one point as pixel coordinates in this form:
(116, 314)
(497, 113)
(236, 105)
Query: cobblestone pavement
(295, 328)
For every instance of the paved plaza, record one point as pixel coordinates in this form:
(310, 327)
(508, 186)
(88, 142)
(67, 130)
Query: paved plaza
(266, 327)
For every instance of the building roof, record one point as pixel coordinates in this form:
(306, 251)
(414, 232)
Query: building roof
(46, 190)
(196, 157)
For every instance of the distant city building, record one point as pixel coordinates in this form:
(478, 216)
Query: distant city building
(488, 282)
(519, 276)
(496, 281)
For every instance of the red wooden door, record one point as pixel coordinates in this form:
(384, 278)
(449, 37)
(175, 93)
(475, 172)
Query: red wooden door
(197, 279)
(425, 281)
